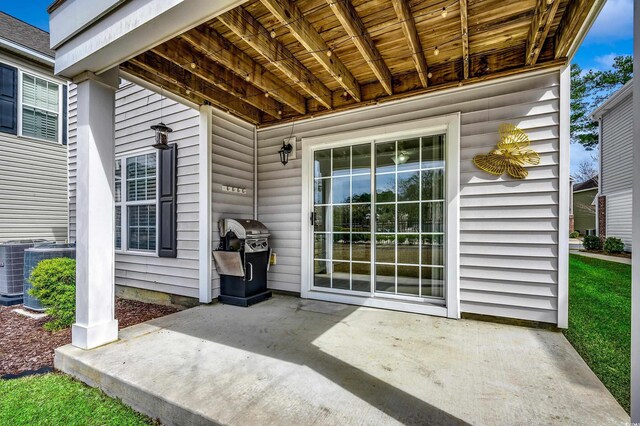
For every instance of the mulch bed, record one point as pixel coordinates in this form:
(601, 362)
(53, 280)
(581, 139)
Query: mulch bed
(25, 346)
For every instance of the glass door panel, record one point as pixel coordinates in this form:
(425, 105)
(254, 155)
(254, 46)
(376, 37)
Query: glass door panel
(395, 233)
(342, 222)
(409, 221)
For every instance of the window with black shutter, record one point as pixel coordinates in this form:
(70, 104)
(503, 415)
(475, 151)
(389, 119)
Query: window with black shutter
(8, 99)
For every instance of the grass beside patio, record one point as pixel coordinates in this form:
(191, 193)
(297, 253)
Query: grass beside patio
(600, 320)
(56, 399)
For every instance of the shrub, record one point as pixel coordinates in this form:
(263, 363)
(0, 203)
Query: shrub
(613, 245)
(592, 242)
(574, 234)
(54, 284)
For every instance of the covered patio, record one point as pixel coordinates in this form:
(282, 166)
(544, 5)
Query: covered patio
(293, 361)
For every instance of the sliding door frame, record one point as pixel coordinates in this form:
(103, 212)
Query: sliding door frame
(447, 124)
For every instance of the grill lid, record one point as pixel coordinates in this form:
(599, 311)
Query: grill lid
(243, 228)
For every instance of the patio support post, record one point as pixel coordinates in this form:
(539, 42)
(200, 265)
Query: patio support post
(635, 223)
(95, 321)
(204, 199)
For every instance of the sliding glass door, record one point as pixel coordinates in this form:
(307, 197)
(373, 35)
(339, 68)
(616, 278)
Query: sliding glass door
(378, 218)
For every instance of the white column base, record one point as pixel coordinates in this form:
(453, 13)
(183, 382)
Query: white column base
(89, 337)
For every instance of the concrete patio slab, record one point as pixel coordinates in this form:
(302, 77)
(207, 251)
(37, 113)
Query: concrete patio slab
(289, 361)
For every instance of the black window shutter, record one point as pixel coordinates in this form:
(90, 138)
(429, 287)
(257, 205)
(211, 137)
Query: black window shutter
(167, 204)
(8, 99)
(64, 115)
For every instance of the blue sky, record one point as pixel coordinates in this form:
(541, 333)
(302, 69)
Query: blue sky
(611, 35)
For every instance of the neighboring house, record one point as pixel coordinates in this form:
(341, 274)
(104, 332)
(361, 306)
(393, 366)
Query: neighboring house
(33, 136)
(614, 212)
(380, 203)
(584, 206)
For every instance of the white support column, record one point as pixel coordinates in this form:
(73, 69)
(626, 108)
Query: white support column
(564, 198)
(635, 223)
(204, 235)
(95, 299)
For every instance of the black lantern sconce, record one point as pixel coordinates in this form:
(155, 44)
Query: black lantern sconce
(284, 152)
(162, 132)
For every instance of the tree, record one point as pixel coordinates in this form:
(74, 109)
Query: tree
(588, 90)
(586, 171)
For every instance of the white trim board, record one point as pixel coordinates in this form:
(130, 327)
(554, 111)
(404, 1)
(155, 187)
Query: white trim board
(447, 123)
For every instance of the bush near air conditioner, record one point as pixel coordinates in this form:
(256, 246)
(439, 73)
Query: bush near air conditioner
(574, 234)
(54, 284)
(591, 242)
(613, 245)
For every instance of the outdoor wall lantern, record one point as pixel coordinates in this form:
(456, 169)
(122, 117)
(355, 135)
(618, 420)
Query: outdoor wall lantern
(284, 152)
(162, 138)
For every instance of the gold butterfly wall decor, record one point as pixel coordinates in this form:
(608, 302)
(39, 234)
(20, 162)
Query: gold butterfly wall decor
(511, 154)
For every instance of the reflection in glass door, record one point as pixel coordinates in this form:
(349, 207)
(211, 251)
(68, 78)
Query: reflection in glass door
(409, 217)
(405, 218)
(342, 218)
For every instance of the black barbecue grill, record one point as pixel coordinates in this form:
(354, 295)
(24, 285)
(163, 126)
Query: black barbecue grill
(242, 261)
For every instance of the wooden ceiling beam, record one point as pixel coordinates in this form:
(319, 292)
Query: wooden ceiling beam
(353, 25)
(189, 83)
(210, 43)
(464, 26)
(574, 16)
(543, 16)
(290, 15)
(182, 54)
(405, 17)
(245, 26)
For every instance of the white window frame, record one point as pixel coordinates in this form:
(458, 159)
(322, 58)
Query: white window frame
(124, 204)
(448, 124)
(60, 112)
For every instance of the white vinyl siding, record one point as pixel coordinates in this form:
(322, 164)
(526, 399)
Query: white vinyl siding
(508, 228)
(33, 189)
(136, 110)
(232, 164)
(619, 216)
(617, 144)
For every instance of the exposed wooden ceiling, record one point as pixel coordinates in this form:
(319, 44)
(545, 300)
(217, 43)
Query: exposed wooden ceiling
(272, 61)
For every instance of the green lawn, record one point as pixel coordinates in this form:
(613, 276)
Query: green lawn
(56, 399)
(600, 320)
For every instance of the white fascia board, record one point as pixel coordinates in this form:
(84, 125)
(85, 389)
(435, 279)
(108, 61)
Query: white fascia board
(620, 95)
(130, 29)
(74, 15)
(25, 51)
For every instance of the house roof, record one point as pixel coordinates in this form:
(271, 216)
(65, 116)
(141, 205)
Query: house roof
(617, 97)
(588, 184)
(25, 35)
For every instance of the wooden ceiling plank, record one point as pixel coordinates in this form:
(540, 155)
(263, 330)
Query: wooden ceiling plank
(465, 37)
(543, 16)
(573, 18)
(156, 80)
(164, 70)
(182, 54)
(245, 26)
(290, 15)
(352, 24)
(405, 17)
(221, 50)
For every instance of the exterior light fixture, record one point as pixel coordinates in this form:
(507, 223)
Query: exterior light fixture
(284, 152)
(436, 51)
(444, 12)
(162, 132)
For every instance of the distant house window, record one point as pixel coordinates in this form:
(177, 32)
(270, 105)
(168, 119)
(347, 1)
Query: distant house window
(40, 108)
(135, 203)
